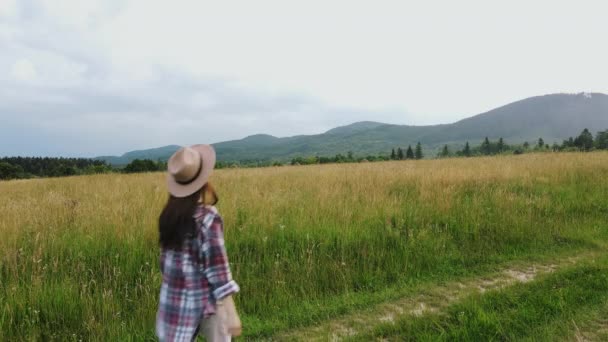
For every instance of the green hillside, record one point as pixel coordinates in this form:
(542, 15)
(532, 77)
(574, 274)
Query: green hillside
(552, 117)
(162, 153)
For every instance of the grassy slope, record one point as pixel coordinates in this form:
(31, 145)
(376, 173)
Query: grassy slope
(79, 256)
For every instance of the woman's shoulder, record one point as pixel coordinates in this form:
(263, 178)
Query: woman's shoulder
(203, 211)
(208, 219)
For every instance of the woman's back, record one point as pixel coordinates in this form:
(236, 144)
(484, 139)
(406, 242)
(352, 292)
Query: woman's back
(193, 277)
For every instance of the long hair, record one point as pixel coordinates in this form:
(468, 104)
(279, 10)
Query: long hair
(176, 222)
(208, 195)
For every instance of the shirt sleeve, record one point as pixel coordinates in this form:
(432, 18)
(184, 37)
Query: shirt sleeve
(217, 268)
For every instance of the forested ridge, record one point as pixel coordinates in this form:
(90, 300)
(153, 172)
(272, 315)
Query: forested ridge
(32, 167)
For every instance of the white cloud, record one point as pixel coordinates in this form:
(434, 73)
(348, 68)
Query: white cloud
(393, 54)
(8, 8)
(283, 68)
(24, 71)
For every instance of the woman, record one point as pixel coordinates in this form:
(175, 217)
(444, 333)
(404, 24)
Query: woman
(197, 286)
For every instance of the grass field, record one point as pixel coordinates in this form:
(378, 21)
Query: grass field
(79, 255)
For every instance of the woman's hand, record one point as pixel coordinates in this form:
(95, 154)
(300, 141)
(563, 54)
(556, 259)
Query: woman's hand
(232, 322)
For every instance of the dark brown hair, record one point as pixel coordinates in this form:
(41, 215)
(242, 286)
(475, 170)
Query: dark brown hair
(176, 221)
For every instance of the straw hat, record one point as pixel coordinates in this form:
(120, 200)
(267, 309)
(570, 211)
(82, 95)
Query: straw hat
(189, 169)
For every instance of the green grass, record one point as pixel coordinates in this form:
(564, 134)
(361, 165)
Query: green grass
(591, 325)
(539, 311)
(79, 255)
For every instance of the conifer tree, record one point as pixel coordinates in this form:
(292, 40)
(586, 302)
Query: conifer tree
(584, 141)
(393, 155)
(467, 150)
(541, 143)
(410, 153)
(418, 154)
(445, 152)
(485, 146)
(399, 153)
(501, 145)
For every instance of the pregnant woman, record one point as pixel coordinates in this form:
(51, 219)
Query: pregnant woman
(197, 286)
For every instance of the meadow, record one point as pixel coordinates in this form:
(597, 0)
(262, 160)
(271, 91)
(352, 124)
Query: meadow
(79, 255)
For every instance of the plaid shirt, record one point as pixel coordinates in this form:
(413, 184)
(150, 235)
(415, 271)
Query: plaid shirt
(194, 278)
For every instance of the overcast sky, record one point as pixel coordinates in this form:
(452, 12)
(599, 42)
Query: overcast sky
(99, 77)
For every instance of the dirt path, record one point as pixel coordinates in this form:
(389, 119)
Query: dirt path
(432, 299)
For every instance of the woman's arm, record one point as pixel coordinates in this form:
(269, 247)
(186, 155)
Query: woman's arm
(218, 273)
(217, 269)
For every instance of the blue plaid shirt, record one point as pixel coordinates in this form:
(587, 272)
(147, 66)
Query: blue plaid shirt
(194, 278)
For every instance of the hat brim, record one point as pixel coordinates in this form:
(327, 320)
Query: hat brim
(184, 190)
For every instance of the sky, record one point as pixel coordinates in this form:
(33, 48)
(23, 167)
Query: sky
(103, 77)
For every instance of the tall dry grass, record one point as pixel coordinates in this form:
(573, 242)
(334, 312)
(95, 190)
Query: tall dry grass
(79, 255)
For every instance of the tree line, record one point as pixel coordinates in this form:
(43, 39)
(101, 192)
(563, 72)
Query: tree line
(29, 167)
(396, 154)
(338, 158)
(32, 167)
(37, 167)
(583, 142)
(409, 153)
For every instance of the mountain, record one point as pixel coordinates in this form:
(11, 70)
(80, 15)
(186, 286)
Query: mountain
(553, 117)
(355, 128)
(162, 153)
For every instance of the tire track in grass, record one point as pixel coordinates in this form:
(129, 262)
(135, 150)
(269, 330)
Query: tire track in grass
(593, 329)
(429, 300)
(542, 310)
